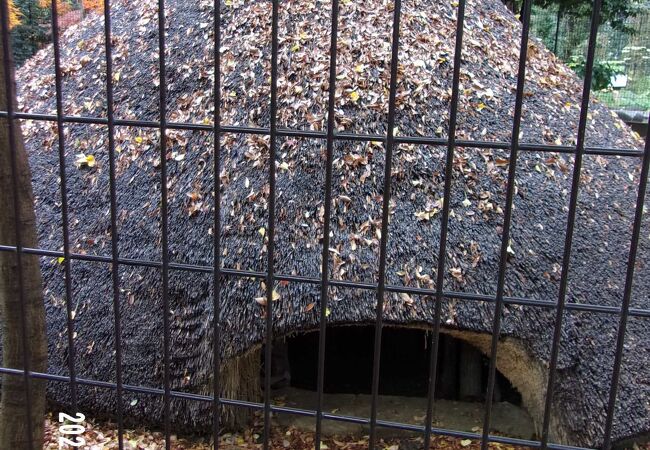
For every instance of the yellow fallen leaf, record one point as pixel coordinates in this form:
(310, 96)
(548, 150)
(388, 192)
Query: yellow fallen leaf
(84, 160)
(60, 259)
(90, 160)
(465, 442)
(354, 96)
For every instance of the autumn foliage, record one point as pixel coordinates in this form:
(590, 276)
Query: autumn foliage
(62, 6)
(14, 15)
(93, 5)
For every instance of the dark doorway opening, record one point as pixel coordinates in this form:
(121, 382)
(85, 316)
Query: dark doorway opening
(462, 369)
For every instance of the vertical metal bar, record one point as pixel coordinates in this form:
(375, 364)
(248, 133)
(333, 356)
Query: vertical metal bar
(115, 269)
(324, 287)
(627, 296)
(444, 224)
(270, 270)
(64, 204)
(216, 283)
(164, 218)
(388, 165)
(505, 238)
(7, 61)
(573, 206)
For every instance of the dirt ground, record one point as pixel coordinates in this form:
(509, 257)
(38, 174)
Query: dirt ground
(507, 419)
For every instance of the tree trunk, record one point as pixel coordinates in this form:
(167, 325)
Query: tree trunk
(13, 415)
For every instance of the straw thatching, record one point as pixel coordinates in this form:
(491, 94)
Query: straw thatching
(488, 77)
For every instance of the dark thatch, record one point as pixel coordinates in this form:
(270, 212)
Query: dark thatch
(603, 223)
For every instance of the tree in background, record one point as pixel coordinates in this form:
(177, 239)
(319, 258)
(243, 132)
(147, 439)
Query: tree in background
(19, 343)
(14, 15)
(29, 32)
(613, 12)
(65, 6)
(62, 6)
(32, 19)
(93, 5)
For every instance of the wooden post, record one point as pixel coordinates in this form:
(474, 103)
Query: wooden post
(470, 373)
(448, 386)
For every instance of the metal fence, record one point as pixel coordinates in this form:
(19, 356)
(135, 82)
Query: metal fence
(330, 136)
(626, 52)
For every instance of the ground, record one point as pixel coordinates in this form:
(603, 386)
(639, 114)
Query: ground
(103, 436)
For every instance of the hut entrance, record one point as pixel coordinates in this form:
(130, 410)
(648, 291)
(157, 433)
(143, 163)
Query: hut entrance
(462, 369)
(404, 378)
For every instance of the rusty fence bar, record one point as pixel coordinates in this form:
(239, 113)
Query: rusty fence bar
(64, 203)
(627, 294)
(164, 219)
(434, 342)
(310, 134)
(383, 244)
(324, 283)
(573, 206)
(216, 270)
(398, 289)
(270, 246)
(115, 264)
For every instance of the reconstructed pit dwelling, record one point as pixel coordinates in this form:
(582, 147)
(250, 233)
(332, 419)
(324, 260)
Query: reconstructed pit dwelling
(488, 79)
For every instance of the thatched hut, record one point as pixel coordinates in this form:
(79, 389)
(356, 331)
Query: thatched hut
(488, 77)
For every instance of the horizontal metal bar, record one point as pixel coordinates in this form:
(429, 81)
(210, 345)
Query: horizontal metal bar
(285, 409)
(510, 300)
(311, 134)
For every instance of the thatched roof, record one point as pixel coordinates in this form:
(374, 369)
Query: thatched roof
(551, 109)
